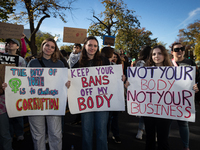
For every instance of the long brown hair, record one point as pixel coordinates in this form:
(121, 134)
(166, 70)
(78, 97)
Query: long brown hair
(84, 59)
(166, 61)
(56, 54)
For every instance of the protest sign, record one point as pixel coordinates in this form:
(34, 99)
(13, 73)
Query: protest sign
(108, 40)
(97, 88)
(9, 59)
(74, 35)
(2, 47)
(8, 30)
(2, 75)
(163, 92)
(35, 91)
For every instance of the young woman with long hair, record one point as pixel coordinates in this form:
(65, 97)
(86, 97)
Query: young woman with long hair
(90, 56)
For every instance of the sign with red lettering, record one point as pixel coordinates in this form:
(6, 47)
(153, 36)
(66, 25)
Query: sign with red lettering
(35, 91)
(2, 47)
(74, 35)
(162, 92)
(97, 88)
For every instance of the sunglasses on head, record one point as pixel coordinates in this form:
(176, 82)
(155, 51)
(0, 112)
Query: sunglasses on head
(180, 48)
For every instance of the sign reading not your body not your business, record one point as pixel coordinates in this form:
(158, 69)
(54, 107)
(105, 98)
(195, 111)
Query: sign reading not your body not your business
(97, 88)
(35, 91)
(163, 92)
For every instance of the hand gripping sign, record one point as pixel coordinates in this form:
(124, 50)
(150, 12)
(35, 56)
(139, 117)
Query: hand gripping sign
(97, 88)
(35, 91)
(163, 92)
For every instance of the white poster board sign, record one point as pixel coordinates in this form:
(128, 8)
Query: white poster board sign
(2, 47)
(35, 91)
(162, 92)
(96, 89)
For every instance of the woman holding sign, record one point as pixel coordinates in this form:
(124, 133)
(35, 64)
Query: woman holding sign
(178, 52)
(158, 57)
(90, 56)
(48, 57)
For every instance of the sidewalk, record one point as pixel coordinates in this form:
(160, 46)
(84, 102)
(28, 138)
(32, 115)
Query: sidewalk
(128, 126)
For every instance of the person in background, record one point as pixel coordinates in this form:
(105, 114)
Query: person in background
(63, 59)
(29, 58)
(124, 59)
(23, 45)
(73, 59)
(17, 123)
(143, 57)
(114, 59)
(178, 52)
(75, 55)
(23, 51)
(65, 54)
(5, 137)
(90, 121)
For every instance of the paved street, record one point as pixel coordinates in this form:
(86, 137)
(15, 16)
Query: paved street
(128, 128)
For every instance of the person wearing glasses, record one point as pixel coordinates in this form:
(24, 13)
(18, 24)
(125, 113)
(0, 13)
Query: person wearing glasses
(178, 52)
(75, 55)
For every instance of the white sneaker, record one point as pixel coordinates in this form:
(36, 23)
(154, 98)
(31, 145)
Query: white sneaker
(46, 139)
(20, 138)
(139, 135)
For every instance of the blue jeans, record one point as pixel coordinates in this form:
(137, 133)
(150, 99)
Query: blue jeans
(184, 132)
(5, 138)
(16, 126)
(97, 121)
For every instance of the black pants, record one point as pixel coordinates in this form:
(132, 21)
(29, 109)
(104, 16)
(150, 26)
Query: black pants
(159, 126)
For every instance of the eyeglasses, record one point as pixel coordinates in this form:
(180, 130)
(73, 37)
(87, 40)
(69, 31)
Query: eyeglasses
(180, 48)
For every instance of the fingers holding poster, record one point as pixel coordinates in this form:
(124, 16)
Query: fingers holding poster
(2, 75)
(163, 92)
(35, 91)
(92, 89)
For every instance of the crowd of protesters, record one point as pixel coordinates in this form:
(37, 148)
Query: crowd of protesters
(88, 55)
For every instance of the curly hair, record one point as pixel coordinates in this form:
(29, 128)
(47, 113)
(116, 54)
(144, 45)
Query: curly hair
(166, 61)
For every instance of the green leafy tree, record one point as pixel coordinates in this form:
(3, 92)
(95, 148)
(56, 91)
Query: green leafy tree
(197, 49)
(67, 48)
(6, 8)
(40, 37)
(191, 37)
(162, 43)
(131, 40)
(116, 16)
(35, 11)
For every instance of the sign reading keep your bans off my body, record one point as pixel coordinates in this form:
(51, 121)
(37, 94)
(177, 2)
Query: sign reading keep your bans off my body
(163, 92)
(97, 88)
(35, 91)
